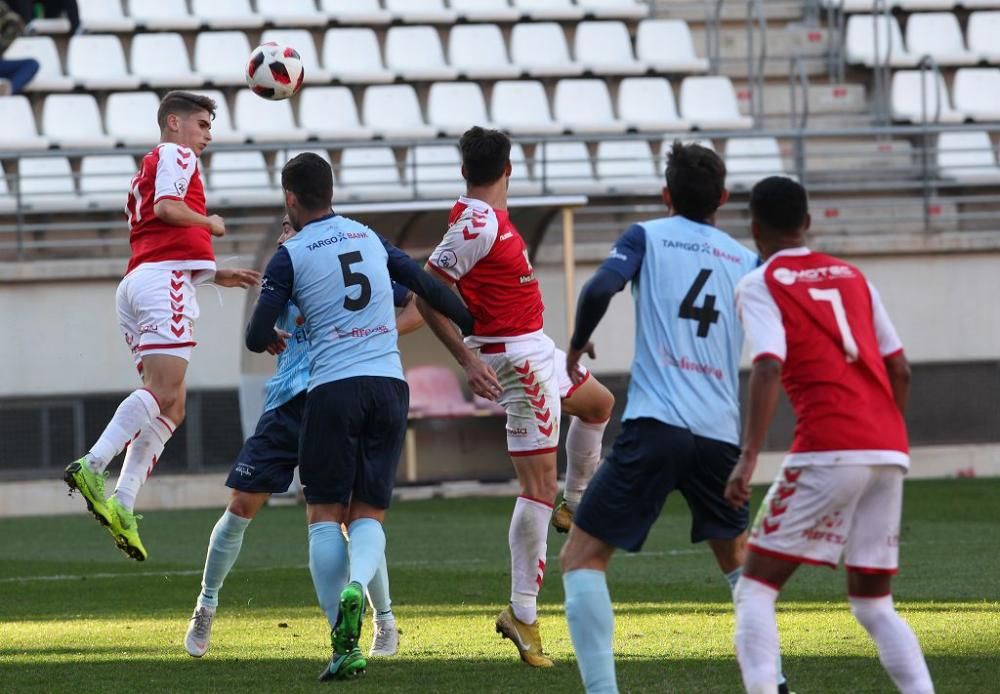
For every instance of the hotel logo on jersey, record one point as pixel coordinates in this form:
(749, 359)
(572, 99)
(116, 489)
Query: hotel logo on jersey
(788, 276)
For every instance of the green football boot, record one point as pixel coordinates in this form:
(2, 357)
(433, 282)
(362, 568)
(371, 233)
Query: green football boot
(344, 666)
(90, 484)
(125, 529)
(352, 611)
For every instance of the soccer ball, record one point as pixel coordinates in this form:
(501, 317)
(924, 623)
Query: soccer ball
(274, 71)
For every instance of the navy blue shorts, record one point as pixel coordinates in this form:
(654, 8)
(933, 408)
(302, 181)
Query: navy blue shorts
(267, 461)
(352, 437)
(649, 460)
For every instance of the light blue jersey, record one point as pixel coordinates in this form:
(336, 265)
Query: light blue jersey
(291, 376)
(334, 270)
(688, 336)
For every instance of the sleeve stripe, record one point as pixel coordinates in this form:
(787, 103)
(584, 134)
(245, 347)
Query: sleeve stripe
(894, 353)
(441, 273)
(167, 197)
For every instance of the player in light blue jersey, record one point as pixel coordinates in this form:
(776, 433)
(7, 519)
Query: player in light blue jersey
(338, 274)
(266, 465)
(680, 429)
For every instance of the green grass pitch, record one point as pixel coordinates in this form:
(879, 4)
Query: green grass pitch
(76, 615)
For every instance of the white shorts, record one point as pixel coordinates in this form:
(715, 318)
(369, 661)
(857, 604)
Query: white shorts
(156, 311)
(534, 379)
(814, 514)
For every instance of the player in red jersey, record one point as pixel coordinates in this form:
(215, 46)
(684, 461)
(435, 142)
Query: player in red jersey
(171, 239)
(815, 324)
(484, 257)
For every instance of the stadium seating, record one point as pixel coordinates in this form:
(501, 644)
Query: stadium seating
(562, 10)
(370, 173)
(104, 178)
(266, 121)
(907, 98)
(977, 93)
(19, 124)
(585, 106)
(220, 57)
(647, 104)
(302, 41)
(524, 180)
(415, 53)
(242, 176)
(605, 48)
(419, 11)
(710, 103)
(436, 392)
(541, 50)
(749, 159)
(290, 13)
(455, 106)
(47, 183)
(434, 171)
(161, 60)
(565, 167)
(967, 156)
(222, 127)
(618, 9)
(226, 14)
(478, 51)
(354, 55)
(356, 11)
(162, 15)
(627, 166)
(330, 113)
(131, 116)
(83, 129)
(394, 111)
(104, 15)
(938, 34)
(981, 34)
(484, 10)
(860, 43)
(666, 46)
(50, 77)
(97, 62)
(522, 108)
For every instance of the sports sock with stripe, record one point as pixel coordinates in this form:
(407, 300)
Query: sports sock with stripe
(528, 540)
(132, 416)
(223, 549)
(141, 457)
(328, 565)
(591, 627)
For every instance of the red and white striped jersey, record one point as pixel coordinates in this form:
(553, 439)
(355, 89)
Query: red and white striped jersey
(821, 318)
(486, 257)
(169, 172)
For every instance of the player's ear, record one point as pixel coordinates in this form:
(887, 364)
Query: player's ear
(724, 198)
(807, 224)
(290, 200)
(667, 200)
(508, 169)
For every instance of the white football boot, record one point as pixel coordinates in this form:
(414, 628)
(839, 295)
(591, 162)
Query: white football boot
(199, 631)
(385, 639)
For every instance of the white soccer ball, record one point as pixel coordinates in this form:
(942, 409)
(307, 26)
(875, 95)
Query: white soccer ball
(274, 71)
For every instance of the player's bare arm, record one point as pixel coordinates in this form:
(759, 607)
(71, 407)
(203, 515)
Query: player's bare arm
(898, 369)
(409, 319)
(177, 213)
(237, 277)
(765, 384)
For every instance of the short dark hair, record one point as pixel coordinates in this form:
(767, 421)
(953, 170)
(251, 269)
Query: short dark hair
(183, 104)
(310, 177)
(696, 178)
(485, 154)
(779, 205)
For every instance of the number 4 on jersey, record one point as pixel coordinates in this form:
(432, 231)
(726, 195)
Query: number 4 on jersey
(706, 314)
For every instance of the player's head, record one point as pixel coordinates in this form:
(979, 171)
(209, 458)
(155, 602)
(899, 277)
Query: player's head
(696, 181)
(186, 119)
(485, 156)
(307, 181)
(779, 210)
(287, 230)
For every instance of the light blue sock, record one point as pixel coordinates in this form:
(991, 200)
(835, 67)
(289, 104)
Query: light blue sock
(733, 577)
(328, 564)
(378, 593)
(591, 626)
(367, 549)
(223, 548)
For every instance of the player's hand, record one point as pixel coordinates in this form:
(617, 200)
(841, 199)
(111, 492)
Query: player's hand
(483, 379)
(573, 357)
(237, 277)
(216, 225)
(738, 487)
(280, 344)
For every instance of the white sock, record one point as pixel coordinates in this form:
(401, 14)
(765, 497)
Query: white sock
(583, 454)
(757, 635)
(898, 648)
(528, 539)
(140, 459)
(132, 416)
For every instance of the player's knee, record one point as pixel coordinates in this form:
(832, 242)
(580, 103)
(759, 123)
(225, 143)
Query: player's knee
(244, 505)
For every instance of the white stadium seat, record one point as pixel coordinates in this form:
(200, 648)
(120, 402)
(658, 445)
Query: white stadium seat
(434, 171)
(393, 111)
(541, 50)
(302, 41)
(370, 172)
(523, 180)
(564, 167)
(73, 120)
(478, 51)
(220, 57)
(291, 13)
(976, 4)
(161, 60)
(615, 9)
(977, 93)
(522, 108)
(563, 10)
(485, 10)
(159, 15)
(131, 117)
(454, 107)
(266, 121)
(421, 11)
(329, 113)
(605, 48)
(105, 178)
(7, 202)
(226, 14)
(647, 103)
(938, 34)
(585, 106)
(237, 171)
(924, 5)
(50, 77)
(354, 55)
(907, 103)
(356, 11)
(982, 32)
(47, 183)
(860, 44)
(222, 126)
(628, 167)
(967, 156)
(415, 53)
(666, 45)
(750, 159)
(18, 131)
(98, 62)
(104, 15)
(710, 102)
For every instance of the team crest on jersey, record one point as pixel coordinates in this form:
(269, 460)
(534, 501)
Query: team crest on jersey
(181, 186)
(447, 259)
(788, 276)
